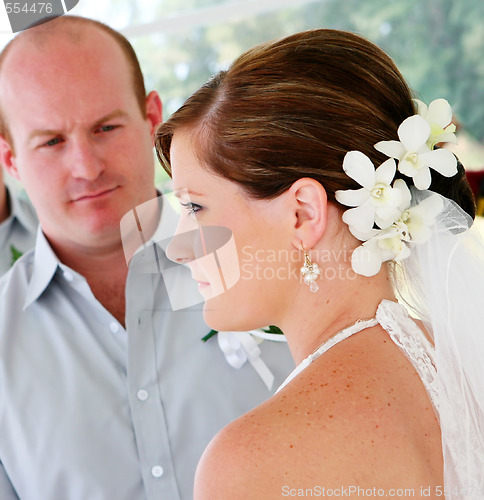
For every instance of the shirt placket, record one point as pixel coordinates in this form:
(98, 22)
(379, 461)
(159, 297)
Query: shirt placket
(147, 406)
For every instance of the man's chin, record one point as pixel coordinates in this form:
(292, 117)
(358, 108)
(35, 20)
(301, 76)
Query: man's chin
(91, 234)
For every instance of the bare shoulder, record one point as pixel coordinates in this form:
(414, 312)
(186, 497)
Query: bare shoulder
(248, 458)
(359, 415)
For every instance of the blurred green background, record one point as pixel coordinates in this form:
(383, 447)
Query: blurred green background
(437, 44)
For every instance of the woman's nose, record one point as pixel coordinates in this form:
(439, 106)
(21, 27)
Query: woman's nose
(181, 246)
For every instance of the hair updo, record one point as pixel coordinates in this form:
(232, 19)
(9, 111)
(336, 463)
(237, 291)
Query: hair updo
(293, 108)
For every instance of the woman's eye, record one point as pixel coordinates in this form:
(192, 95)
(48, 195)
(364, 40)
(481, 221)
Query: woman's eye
(191, 207)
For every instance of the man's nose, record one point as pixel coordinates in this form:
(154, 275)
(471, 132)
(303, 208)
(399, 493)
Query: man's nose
(86, 162)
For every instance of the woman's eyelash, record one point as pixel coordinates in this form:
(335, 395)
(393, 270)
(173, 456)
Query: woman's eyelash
(192, 207)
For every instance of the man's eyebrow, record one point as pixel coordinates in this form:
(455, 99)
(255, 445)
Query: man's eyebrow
(117, 113)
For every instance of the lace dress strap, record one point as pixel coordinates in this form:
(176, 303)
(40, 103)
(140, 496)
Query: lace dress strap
(335, 339)
(407, 335)
(403, 331)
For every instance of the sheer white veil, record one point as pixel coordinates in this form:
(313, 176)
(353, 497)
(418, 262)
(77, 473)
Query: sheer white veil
(442, 283)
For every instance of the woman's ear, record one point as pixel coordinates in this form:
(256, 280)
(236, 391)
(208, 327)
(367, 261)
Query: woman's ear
(310, 207)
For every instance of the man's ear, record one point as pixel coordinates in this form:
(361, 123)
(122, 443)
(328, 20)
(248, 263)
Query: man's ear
(310, 208)
(154, 110)
(7, 158)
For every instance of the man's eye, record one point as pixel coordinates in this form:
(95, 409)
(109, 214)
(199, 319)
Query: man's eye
(107, 128)
(191, 207)
(53, 142)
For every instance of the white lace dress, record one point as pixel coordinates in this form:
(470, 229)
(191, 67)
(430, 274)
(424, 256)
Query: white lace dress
(394, 319)
(463, 464)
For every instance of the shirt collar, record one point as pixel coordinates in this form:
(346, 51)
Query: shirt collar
(23, 211)
(149, 251)
(44, 267)
(46, 262)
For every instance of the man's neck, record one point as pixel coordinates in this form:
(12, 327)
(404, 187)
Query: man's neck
(104, 264)
(105, 272)
(4, 203)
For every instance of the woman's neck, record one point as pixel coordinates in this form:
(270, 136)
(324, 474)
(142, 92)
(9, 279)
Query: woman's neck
(315, 317)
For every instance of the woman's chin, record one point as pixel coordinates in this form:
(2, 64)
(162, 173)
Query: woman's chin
(227, 310)
(221, 316)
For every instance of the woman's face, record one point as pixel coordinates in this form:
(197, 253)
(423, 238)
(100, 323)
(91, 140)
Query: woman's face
(237, 247)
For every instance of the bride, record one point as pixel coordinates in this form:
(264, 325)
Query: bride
(312, 152)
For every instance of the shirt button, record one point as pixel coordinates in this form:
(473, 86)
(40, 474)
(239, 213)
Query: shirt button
(157, 471)
(114, 327)
(142, 394)
(68, 276)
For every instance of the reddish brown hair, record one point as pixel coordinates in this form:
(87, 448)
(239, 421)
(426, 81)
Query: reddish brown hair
(293, 108)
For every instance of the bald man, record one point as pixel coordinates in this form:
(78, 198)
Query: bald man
(106, 392)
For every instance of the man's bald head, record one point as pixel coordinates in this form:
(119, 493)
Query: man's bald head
(73, 29)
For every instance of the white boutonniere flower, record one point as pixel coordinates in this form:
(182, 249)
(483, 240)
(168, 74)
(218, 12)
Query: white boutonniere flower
(241, 347)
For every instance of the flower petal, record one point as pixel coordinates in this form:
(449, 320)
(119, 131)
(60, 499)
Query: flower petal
(421, 107)
(362, 236)
(360, 168)
(385, 173)
(414, 132)
(407, 168)
(422, 178)
(352, 197)
(362, 217)
(440, 112)
(393, 197)
(406, 195)
(386, 216)
(366, 260)
(448, 137)
(441, 160)
(390, 243)
(428, 208)
(419, 231)
(393, 149)
(403, 253)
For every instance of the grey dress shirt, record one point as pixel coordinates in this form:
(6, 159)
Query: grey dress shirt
(90, 410)
(18, 230)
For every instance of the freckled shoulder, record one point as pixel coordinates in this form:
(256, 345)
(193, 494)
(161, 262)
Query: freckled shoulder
(359, 415)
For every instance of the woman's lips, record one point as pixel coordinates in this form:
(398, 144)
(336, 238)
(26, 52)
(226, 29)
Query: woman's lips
(201, 283)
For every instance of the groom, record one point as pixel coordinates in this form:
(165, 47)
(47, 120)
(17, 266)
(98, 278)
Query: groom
(106, 393)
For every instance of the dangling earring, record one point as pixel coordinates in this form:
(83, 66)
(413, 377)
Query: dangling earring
(310, 271)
